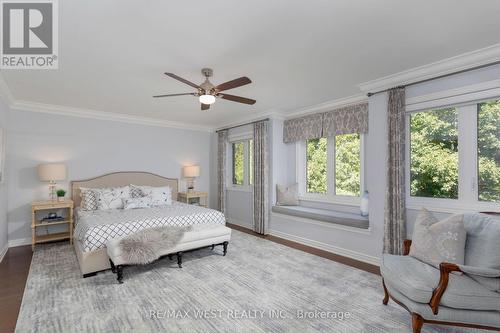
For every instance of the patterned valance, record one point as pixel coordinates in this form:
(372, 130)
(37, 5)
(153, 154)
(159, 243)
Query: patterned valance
(303, 128)
(345, 120)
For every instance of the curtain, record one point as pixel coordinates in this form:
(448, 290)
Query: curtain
(395, 215)
(346, 120)
(260, 177)
(303, 128)
(221, 169)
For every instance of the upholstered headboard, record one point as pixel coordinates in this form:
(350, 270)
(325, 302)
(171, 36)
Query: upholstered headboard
(122, 179)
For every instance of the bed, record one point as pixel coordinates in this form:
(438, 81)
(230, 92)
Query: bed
(94, 229)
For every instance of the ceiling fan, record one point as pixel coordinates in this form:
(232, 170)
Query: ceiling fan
(207, 92)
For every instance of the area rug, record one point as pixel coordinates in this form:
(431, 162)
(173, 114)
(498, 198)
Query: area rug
(260, 286)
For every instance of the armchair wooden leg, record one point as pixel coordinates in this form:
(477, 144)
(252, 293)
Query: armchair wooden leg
(386, 294)
(119, 273)
(224, 245)
(416, 322)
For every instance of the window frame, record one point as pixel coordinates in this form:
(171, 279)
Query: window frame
(329, 196)
(468, 191)
(245, 139)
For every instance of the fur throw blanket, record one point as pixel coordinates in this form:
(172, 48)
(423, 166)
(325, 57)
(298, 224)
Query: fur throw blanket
(148, 245)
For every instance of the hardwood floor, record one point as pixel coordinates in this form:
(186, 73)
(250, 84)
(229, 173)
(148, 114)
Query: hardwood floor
(14, 270)
(15, 266)
(309, 249)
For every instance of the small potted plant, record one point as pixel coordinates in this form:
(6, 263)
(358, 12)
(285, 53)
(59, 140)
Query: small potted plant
(60, 194)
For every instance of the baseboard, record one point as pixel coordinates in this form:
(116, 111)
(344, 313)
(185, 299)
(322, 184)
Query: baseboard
(3, 252)
(19, 242)
(329, 248)
(239, 223)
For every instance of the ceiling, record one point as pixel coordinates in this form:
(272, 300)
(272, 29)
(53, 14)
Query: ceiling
(297, 53)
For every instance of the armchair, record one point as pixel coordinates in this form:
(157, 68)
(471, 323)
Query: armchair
(449, 295)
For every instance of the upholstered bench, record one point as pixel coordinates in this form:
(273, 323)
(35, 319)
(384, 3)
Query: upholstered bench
(198, 236)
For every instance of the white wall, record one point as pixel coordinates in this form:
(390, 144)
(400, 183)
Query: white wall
(3, 188)
(91, 148)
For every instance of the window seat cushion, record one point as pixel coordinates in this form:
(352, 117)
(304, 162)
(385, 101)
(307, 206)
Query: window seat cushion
(325, 215)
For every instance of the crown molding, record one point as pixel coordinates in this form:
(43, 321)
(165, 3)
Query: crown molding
(327, 106)
(465, 61)
(101, 115)
(271, 113)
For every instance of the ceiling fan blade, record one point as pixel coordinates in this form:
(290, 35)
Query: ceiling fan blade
(169, 95)
(173, 76)
(241, 81)
(205, 106)
(238, 99)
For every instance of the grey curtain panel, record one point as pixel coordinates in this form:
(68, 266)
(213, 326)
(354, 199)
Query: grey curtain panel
(345, 120)
(221, 169)
(395, 215)
(260, 177)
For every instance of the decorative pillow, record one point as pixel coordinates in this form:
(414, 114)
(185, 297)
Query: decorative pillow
(133, 203)
(112, 198)
(434, 241)
(89, 198)
(287, 195)
(160, 196)
(135, 191)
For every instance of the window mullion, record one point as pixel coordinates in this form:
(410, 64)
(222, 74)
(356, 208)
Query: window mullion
(467, 154)
(330, 166)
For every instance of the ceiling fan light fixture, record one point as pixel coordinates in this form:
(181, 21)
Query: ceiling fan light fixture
(207, 99)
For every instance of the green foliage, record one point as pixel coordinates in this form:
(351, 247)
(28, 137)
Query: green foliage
(488, 146)
(238, 160)
(347, 164)
(316, 166)
(250, 162)
(61, 193)
(434, 154)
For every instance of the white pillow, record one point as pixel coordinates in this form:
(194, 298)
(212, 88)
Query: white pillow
(287, 195)
(160, 196)
(434, 241)
(133, 203)
(112, 198)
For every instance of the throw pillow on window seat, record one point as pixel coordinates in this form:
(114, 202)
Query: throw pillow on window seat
(287, 195)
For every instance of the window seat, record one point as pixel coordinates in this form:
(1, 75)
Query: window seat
(325, 215)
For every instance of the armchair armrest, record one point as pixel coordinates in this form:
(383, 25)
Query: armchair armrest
(406, 247)
(445, 269)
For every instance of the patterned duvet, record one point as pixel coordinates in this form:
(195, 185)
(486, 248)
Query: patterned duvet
(95, 228)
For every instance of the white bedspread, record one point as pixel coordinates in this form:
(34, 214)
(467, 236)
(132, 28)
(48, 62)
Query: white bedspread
(95, 228)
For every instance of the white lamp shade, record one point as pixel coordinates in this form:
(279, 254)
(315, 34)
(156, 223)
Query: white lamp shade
(51, 172)
(191, 171)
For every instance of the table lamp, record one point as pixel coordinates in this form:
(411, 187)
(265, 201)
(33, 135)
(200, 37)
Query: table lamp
(190, 173)
(51, 173)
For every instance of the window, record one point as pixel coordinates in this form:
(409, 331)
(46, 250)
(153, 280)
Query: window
(434, 154)
(330, 169)
(488, 150)
(242, 160)
(238, 162)
(454, 155)
(316, 166)
(348, 165)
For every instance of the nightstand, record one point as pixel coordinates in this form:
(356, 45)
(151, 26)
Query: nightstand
(39, 210)
(194, 198)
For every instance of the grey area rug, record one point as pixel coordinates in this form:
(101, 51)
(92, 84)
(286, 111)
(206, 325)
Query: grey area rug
(260, 286)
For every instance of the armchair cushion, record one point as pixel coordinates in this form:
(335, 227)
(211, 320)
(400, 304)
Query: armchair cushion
(416, 280)
(482, 248)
